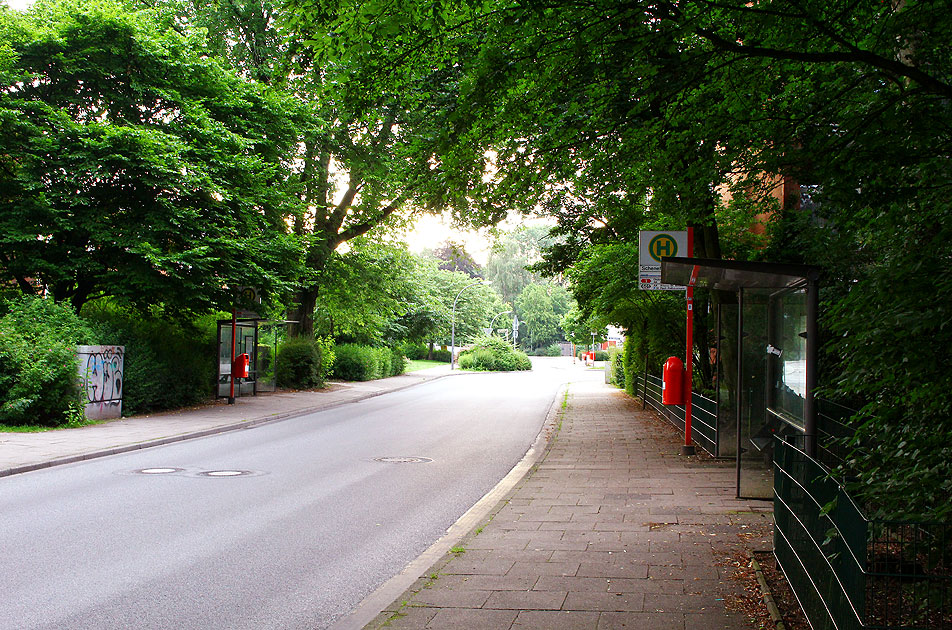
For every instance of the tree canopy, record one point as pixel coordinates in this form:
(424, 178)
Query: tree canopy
(165, 155)
(511, 257)
(134, 167)
(620, 116)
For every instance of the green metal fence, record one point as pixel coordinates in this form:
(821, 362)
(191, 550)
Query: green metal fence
(850, 572)
(834, 428)
(703, 412)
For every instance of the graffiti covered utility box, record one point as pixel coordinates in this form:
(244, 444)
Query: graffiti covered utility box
(100, 376)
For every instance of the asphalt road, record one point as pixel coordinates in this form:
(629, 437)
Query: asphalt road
(310, 527)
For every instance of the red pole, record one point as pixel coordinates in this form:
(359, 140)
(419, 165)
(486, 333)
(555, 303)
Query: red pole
(688, 448)
(234, 326)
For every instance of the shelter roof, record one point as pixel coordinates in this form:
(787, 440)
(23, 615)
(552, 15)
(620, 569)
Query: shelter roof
(731, 275)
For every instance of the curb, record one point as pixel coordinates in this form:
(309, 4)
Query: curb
(225, 428)
(772, 608)
(377, 603)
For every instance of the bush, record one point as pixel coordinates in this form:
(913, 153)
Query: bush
(618, 368)
(493, 354)
(414, 351)
(398, 362)
(328, 356)
(38, 370)
(363, 363)
(353, 363)
(441, 355)
(631, 365)
(298, 364)
(552, 350)
(167, 364)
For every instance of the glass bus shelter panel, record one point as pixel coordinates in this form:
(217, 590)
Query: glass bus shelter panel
(726, 381)
(246, 335)
(787, 357)
(753, 435)
(269, 335)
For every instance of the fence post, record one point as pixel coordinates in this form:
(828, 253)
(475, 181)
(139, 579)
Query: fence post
(644, 391)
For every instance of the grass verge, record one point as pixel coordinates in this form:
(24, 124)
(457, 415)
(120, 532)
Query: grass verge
(423, 364)
(36, 428)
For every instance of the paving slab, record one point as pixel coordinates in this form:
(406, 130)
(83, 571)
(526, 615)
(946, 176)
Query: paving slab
(612, 529)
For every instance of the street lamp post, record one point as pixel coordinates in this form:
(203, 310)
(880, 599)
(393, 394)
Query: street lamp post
(453, 328)
(494, 321)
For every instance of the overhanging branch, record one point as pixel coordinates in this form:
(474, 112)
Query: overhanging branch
(855, 55)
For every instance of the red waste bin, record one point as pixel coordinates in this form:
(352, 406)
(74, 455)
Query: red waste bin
(672, 382)
(239, 368)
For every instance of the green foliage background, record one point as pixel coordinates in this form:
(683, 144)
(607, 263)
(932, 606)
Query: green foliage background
(38, 368)
(492, 354)
(168, 362)
(298, 364)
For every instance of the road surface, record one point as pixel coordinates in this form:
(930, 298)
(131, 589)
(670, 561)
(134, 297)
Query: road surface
(288, 525)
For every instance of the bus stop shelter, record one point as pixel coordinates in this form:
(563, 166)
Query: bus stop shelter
(773, 358)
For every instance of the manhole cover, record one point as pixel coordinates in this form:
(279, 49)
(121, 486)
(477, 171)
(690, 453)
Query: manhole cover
(225, 473)
(158, 471)
(403, 460)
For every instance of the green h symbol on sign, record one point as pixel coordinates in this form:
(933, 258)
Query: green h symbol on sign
(662, 245)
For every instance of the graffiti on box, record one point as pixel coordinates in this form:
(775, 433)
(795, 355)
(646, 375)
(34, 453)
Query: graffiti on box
(100, 372)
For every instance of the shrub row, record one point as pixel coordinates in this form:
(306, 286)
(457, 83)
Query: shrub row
(493, 354)
(38, 373)
(442, 355)
(552, 350)
(414, 351)
(167, 364)
(419, 351)
(363, 363)
(299, 364)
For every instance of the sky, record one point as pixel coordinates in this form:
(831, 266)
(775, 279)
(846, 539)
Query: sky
(432, 231)
(19, 5)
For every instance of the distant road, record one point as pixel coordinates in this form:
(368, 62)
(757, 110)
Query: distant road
(311, 526)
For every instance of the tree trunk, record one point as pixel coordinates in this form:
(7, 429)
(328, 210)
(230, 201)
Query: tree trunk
(302, 313)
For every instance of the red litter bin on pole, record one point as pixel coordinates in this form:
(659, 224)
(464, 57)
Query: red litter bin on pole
(672, 382)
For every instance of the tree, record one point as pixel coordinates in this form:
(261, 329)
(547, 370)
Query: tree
(475, 306)
(580, 330)
(613, 116)
(131, 166)
(541, 307)
(365, 292)
(512, 254)
(454, 257)
(364, 162)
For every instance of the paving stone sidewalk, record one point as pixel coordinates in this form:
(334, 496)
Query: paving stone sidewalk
(614, 529)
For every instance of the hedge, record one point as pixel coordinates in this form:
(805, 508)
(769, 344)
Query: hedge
(38, 370)
(298, 364)
(356, 362)
(167, 364)
(493, 354)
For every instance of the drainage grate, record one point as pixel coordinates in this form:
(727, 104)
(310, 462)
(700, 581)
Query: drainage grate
(403, 460)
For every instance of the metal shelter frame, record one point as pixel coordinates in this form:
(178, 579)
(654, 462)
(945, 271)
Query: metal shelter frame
(737, 276)
(249, 344)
